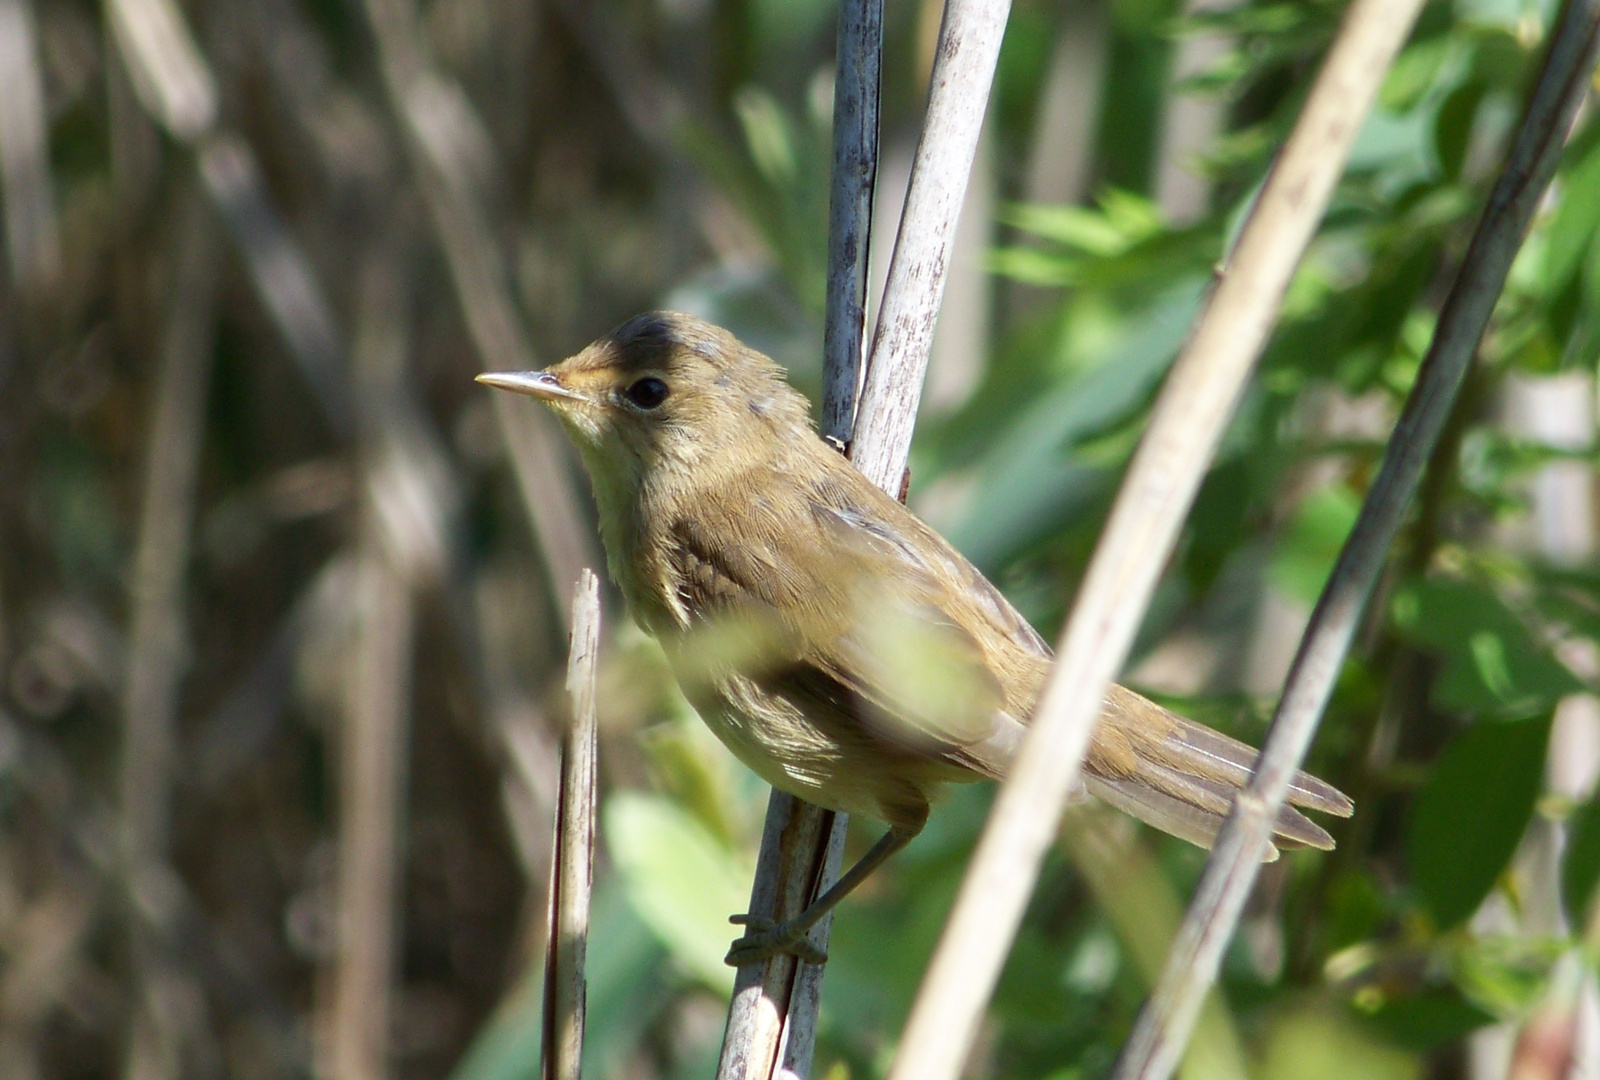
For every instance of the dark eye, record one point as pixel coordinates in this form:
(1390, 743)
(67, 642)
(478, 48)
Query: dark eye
(647, 392)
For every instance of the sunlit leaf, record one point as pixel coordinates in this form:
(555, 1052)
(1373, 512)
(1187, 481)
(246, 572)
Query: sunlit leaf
(1312, 541)
(682, 881)
(1492, 661)
(1318, 1041)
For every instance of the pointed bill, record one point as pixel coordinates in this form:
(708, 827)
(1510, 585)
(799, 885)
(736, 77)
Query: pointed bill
(539, 384)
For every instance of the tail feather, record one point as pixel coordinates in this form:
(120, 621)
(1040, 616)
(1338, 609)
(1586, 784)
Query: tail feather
(1182, 777)
(1195, 824)
(1237, 761)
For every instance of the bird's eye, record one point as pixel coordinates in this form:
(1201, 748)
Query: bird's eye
(647, 392)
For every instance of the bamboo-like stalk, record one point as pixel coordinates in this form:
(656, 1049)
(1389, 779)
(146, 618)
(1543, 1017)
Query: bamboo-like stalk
(1185, 428)
(375, 734)
(158, 645)
(371, 772)
(958, 94)
(857, 76)
(772, 1017)
(572, 866)
(1164, 1024)
(33, 244)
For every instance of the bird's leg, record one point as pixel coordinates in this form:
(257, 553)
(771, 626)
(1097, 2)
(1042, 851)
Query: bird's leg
(765, 938)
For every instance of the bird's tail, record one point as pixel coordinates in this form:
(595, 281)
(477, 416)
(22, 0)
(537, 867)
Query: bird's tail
(1181, 777)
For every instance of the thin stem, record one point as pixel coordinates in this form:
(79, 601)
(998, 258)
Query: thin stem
(1185, 428)
(772, 1018)
(572, 867)
(33, 244)
(958, 94)
(158, 633)
(857, 77)
(375, 734)
(1164, 1025)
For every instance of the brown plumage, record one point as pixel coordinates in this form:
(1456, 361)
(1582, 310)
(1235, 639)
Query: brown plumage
(838, 645)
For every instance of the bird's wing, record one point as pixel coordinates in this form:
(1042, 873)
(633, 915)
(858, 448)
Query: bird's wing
(836, 611)
(1163, 768)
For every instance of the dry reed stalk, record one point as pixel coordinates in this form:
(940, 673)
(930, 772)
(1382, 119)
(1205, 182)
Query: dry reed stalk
(1185, 427)
(157, 639)
(572, 866)
(958, 95)
(1164, 1024)
(33, 244)
(772, 1017)
(158, 647)
(857, 76)
(356, 1019)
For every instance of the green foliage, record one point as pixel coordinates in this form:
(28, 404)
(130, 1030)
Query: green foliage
(1492, 661)
(1440, 723)
(1580, 863)
(1364, 962)
(682, 881)
(1472, 812)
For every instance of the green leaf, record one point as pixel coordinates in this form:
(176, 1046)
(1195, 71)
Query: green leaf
(1472, 812)
(1452, 130)
(1580, 863)
(1575, 221)
(1506, 974)
(1030, 484)
(1073, 226)
(1310, 545)
(1414, 72)
(1313, 1040)
(1492, 661)
(681, 880)
(1428, 1019)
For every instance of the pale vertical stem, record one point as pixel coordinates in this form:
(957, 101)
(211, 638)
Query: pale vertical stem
(958, 94)
(1062, 153)
(1164, 1024)
(772, 1018)
(572, 867)
(857, 77)
(32, 242)
(1190, 121)
(372, 765)
(1185, 428)
(375, 731)
(158, 647)
(795, 850)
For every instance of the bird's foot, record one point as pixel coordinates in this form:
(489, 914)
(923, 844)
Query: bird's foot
(765, 939)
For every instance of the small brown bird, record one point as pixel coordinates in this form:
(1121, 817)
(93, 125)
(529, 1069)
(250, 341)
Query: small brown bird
(838, 645)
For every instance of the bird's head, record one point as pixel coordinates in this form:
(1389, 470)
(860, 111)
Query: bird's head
(663, 394)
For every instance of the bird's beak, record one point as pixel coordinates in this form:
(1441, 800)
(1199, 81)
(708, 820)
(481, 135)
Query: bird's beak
(539, 384)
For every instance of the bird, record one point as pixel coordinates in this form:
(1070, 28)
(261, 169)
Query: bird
(838, 645)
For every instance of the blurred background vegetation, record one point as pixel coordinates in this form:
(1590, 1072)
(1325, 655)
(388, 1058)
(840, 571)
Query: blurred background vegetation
(281, 642)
